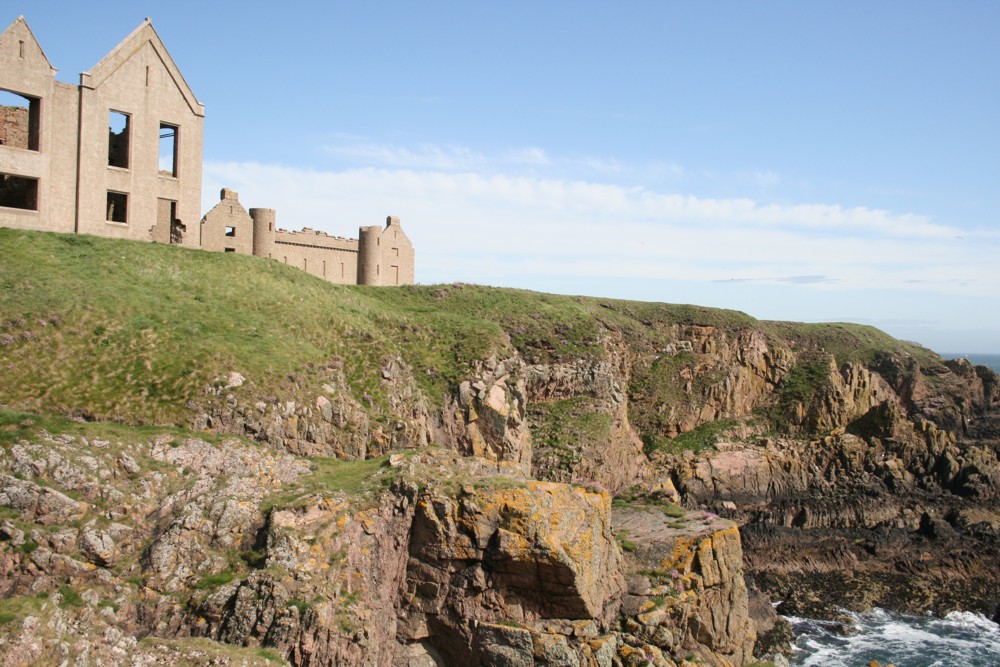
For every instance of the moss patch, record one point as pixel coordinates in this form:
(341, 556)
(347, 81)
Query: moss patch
(696, 440)
(562, 430)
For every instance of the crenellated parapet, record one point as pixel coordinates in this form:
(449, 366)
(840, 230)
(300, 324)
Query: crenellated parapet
(381, 256)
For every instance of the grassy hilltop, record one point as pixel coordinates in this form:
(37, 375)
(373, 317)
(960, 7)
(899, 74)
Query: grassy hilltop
(130, 332)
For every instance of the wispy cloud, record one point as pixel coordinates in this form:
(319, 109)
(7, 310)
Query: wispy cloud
(361, 152)
(472, 220)
(790, 280)
(535, 156)
(760, 178)
(425, 156)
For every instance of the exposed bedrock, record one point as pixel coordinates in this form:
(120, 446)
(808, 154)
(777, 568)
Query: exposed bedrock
(686, 592)
(580, 422)
(522, 557)
(904, 519)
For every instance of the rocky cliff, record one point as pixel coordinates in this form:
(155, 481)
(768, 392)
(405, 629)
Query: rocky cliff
(428, 558)
(294, 471)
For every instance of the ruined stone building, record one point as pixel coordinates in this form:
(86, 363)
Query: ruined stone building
(117, 155)
(378, 257)
(120, 155)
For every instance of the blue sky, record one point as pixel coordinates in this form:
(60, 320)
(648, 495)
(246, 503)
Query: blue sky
(815, 161)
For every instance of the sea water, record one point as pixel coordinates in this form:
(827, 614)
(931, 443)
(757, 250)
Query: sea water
(988, 360)
(959, 639)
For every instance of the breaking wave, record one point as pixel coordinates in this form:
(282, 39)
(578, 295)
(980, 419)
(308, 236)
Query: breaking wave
(960, 638)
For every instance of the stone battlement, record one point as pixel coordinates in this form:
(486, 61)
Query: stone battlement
(379, 257)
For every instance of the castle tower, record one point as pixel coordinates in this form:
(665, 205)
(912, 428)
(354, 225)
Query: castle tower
(369, 255)
(263, 231)
(396, 256)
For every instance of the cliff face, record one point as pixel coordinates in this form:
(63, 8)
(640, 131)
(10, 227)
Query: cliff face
(580, 420)
(460, 475)
(878, 491)
(881, 493)
(185, 538)
(686, 588)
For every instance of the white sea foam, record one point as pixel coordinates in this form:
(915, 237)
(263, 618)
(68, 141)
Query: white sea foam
(960, 638)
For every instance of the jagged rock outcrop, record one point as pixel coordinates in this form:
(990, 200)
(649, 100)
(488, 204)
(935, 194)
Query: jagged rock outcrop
(686, 592)
(486, 419)
(523, 556)
(896, 512)
(594, 391)
(335, 605)
(704, 374)
(475, 569)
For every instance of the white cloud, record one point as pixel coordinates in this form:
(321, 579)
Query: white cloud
(362, 152)
(478, 226)
(426, 156)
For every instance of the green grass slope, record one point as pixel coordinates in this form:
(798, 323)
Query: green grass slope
(131, 331)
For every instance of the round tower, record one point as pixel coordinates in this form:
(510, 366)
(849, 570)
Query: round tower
(263, 231)
(369, 255)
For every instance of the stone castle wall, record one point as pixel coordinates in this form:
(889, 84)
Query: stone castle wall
(329, 257)
(379, 257)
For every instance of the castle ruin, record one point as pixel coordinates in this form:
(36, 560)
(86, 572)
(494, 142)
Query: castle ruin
(120, 155)
(378, 257)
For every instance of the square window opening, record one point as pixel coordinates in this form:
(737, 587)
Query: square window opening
(230, 249)
(19, 192)
(19, 120)
(117, 207)
(118, 139)
(231, 232)
(168, 149)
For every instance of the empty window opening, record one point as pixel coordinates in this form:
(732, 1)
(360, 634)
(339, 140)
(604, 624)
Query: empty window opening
(147, 75)
(341, 269)
(19, 192)
(118, 139)
(304, 260)
(394, 274)
(168, 149)
(19, 120)
(230, 249)
(117, 207)
(231, 232)
(20, 48)
(395, 252)
(324, 268)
